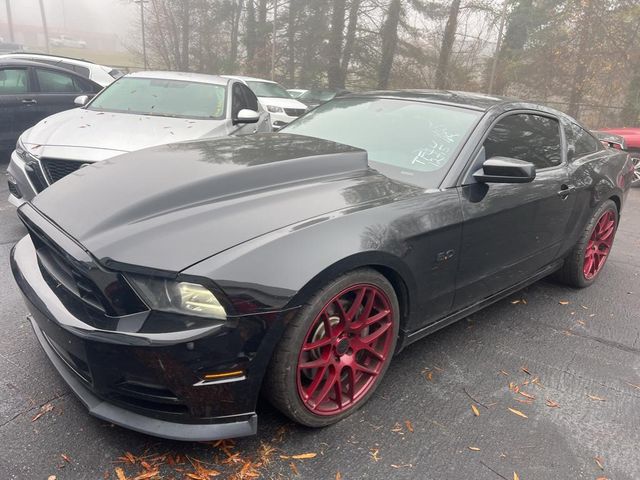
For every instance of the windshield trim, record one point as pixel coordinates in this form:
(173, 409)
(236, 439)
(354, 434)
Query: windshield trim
(186, 117)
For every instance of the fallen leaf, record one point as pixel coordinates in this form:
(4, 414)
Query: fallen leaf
(563, 302)
(374, 454)
(52, 477)
(597, 399)
(515, 302)
(338, 476)
(633, 385)
(599, 462)
(525, 370)
(475, 410)
(43, 409)
(429, 376)
(474, 449)
(128, 457)
(526, 401)
(586, 308)
(65, 458)
(120, 474)
(602, 478)
(147, 475)
(503, 373)
(515, 476)
(294, 469)
(552, 404)
(517, 412)
(304, 456)
(409, 426)
(406, 465)
(527, 395)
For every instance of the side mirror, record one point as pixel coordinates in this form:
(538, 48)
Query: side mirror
(505, 170)
(246, 115)
(81, 100)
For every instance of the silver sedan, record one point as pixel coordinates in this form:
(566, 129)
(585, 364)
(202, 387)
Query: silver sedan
(137, 111)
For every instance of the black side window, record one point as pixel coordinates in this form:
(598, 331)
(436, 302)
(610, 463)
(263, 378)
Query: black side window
(528, 137)
(56, 82)
(237, 102)
(580, 142)
(250, 99)
(14, 81)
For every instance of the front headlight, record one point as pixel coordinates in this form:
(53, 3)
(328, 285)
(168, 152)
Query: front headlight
(274, 109)
(180, 297)
(21, 150)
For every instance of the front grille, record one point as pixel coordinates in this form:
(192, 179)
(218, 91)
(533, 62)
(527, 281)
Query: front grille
(58, 168)
(89, 292)
(14, 190)
(36, 177)
(294, 112)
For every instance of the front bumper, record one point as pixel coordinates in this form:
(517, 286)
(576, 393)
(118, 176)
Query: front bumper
(23, 189)
(150, 383)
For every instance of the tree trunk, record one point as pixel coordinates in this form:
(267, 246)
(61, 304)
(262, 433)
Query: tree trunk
(442, 70)
(350, 40)
(235, 27)
(582, 59)
(336, 37)
(186, 27)
(291, 39)
(250, 34)
(631, 112)
(389, 42)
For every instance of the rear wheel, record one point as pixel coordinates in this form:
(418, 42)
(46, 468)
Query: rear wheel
(337, 349)
(588, 257)
(636, 169)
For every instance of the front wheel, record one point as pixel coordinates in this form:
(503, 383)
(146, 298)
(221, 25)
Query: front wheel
(587, 259)
(337, 349)
(636, 170)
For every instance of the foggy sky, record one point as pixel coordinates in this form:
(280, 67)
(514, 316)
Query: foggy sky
(103, 16)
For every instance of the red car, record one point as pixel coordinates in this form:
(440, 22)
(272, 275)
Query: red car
(632, 140)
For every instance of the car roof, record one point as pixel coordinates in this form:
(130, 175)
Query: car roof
(184, 76)
(470, 100)
(32, 63)
(78, 61)
(248, 79)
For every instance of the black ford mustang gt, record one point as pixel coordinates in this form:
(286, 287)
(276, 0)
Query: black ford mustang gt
(170, 288)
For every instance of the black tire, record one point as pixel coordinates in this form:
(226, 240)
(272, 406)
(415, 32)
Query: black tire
(572, 272)
(280, 385)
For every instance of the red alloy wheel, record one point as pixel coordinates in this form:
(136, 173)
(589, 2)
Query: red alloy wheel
(599, 245)
(345, 349)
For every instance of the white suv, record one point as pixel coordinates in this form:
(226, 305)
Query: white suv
(100, 74)
(274, 99)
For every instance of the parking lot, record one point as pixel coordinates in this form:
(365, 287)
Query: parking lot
(566, 362)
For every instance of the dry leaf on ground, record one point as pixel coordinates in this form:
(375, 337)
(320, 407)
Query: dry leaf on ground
(517, 412)
(120, 474)
(409, 425)
(552, 404)
(474, 449)
(515, 476)
(294, 469)
(596, 398)
(43, 409)
(563, 302)
(304, 456)
(599, 462)
(475, 410)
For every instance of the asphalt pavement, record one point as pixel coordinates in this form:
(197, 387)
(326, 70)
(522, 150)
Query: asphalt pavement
(566, 362)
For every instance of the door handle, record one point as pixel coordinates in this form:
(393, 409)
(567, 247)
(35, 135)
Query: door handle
(29, 101)
(566, 190)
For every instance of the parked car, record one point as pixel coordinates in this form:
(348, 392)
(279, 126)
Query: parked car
(314, 97)
(100, 74)
(631, 138)
(32, 91)
(275, 99)
(8, 47)
(67, 41)
(610, 140)
(169, 286)
(296, 92)
(139, 110)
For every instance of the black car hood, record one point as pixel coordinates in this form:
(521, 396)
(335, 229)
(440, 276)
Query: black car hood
(170, 207)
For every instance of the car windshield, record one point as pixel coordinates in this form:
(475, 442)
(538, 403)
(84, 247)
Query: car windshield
(166, 98)
(318, 95)
(268, 89)
(411, 141)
